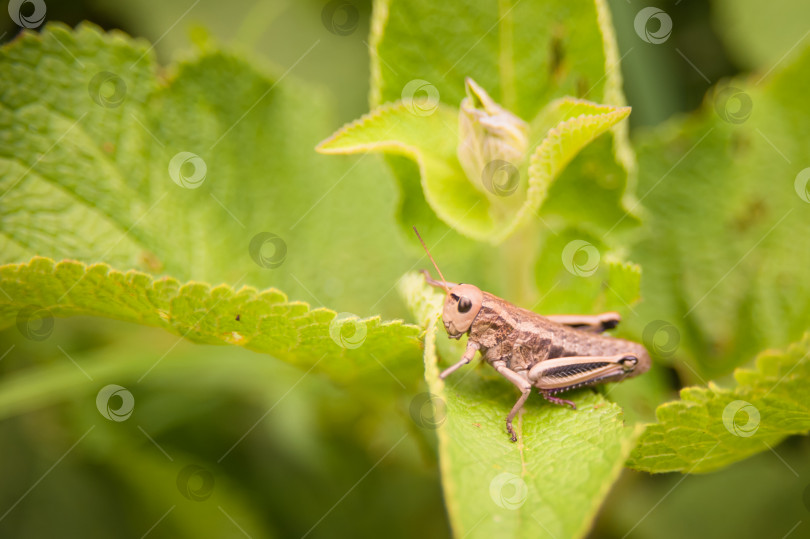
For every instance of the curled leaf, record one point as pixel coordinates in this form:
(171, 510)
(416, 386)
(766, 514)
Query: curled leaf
(431, 141)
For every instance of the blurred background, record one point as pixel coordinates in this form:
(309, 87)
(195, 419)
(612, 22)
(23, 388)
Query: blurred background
(308, 465)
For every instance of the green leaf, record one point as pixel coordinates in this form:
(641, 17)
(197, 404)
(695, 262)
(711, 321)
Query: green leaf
(431, 141)
(90, 133)
(577, 273)
(91, 172)
(710, 428)
(526, 68)
(348, 350)
(725, 256)
(522, 63)
(758, 35)
(551, 482)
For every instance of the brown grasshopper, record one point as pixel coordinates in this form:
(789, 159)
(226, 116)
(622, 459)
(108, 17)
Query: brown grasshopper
(553, 353)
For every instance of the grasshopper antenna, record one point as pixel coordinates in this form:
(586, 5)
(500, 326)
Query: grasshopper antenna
(444, 282)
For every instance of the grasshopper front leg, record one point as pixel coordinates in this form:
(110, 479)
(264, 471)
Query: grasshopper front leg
(522, 384)
(469, 353)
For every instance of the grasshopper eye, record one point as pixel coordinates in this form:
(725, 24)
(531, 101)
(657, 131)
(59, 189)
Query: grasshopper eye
(464, 304)
(628, 362)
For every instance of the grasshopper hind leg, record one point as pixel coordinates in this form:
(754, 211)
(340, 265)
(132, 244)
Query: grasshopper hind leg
(549, 396)
(594, 323)
(556, 375)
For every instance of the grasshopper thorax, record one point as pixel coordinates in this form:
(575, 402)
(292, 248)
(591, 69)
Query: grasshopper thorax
(461, 306)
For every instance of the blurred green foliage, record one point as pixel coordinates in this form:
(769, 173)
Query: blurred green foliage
(293, 454)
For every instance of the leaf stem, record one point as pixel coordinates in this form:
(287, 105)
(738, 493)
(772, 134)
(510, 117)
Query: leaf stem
(518, 252)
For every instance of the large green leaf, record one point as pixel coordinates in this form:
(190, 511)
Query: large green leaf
(106, 162)
(710, 428)
(726, 252)
(551, 482)
(93, 135)
(525, 66)
(347, 349)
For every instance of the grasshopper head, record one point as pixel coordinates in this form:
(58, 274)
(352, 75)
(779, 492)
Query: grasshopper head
(461, 306)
